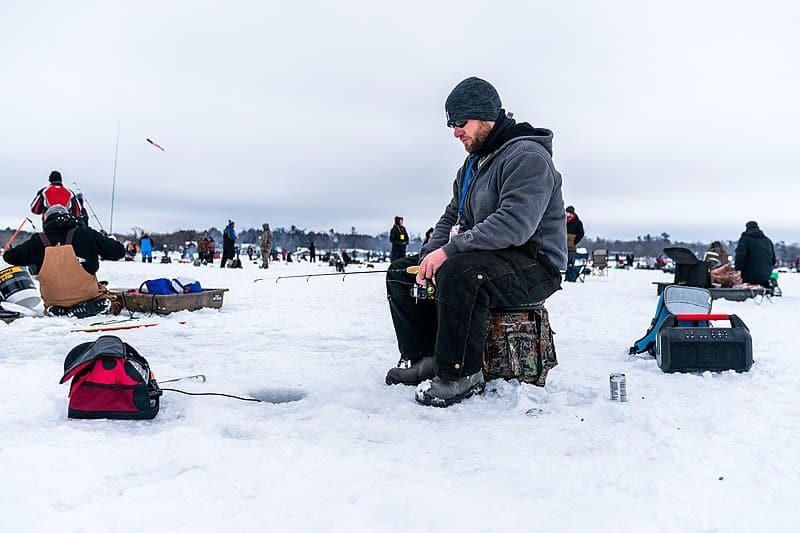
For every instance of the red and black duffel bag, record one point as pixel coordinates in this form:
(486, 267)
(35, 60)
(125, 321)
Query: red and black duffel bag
(110, 380)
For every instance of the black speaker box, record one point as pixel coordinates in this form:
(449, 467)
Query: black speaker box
(699, 348)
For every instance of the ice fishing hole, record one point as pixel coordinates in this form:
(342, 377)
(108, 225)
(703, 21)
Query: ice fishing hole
(278, 395)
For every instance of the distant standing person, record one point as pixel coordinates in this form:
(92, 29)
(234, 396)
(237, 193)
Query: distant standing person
(574, 234)
(312, 252)
(266, 245)
(427, 236)
(146, 246)
(55, 194)
(755, 255)
(398, 236)
(228, 243)
(717, 251)
(206, 249)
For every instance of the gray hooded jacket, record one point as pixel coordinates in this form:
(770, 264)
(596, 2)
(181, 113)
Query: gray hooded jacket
(513, 199)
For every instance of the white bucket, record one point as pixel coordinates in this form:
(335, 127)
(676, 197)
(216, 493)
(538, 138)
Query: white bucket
(17, 287)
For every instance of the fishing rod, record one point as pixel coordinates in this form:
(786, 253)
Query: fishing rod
(86, 201)
(114, 181)
(409, 270)
(418, 292)
(197, 377)
(14, 236)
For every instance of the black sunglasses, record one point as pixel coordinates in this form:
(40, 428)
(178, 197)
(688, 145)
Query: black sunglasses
(457, 123)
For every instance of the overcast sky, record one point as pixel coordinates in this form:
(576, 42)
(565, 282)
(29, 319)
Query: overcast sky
(677, 117)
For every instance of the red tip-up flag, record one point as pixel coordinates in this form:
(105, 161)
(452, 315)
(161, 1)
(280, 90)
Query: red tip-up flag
(155, 144)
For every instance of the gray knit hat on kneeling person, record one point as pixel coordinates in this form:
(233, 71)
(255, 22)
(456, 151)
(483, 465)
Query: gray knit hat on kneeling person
(55, 210)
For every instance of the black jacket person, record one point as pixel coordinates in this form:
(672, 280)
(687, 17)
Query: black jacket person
(61, 288)
(88, 244)
(228, 243)
(755, 255)
(398, 236)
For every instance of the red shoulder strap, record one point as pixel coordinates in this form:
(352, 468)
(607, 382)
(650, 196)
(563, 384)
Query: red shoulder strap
(70, 233)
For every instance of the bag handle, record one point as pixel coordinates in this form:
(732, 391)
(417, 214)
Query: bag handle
(735, 321)
(701, 316)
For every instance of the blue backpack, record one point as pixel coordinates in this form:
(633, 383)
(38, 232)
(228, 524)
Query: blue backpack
(157, 286)
(163, 286)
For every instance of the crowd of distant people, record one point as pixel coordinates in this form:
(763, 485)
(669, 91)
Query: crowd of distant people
(65, 220)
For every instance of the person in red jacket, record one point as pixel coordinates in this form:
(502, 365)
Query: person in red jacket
(56, 194)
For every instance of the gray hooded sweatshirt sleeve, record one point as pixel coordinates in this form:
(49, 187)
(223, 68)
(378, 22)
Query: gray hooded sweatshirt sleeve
(514, 198)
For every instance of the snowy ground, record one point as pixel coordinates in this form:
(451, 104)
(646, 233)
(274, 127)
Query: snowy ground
(686, 453)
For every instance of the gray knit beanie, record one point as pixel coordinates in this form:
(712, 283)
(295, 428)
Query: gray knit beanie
(473, 98)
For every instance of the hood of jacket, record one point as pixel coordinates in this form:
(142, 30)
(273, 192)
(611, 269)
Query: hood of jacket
(755, 233)
(507, 129)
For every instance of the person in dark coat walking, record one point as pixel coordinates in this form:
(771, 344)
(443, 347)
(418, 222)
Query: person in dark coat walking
(755, 255)
(312, 252)
(574, 234)
(228, 243)
(398, 236)
(501, 242)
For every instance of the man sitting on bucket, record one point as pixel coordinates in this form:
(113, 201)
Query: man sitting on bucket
(501, 242)
(66, 256)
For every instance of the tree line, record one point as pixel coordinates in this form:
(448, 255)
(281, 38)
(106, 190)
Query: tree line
(295, 237)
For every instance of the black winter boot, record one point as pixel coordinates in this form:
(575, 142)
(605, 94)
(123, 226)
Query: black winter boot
(440, 392)
(407, 374)
(81, 310)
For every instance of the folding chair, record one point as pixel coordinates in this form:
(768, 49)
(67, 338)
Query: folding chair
(689, 270)
(600, 261)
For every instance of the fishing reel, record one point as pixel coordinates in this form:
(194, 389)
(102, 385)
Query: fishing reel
(423, 292)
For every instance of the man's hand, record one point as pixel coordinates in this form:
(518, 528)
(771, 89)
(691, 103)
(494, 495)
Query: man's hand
(429, 266)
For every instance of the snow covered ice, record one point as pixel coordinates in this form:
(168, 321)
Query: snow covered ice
(335, 449)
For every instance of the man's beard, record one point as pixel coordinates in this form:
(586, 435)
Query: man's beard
(474, 145)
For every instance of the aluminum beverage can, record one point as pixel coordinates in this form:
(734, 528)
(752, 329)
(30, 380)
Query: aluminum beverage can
(619, 392)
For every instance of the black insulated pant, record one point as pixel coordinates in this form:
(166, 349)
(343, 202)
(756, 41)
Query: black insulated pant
(453, 326)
